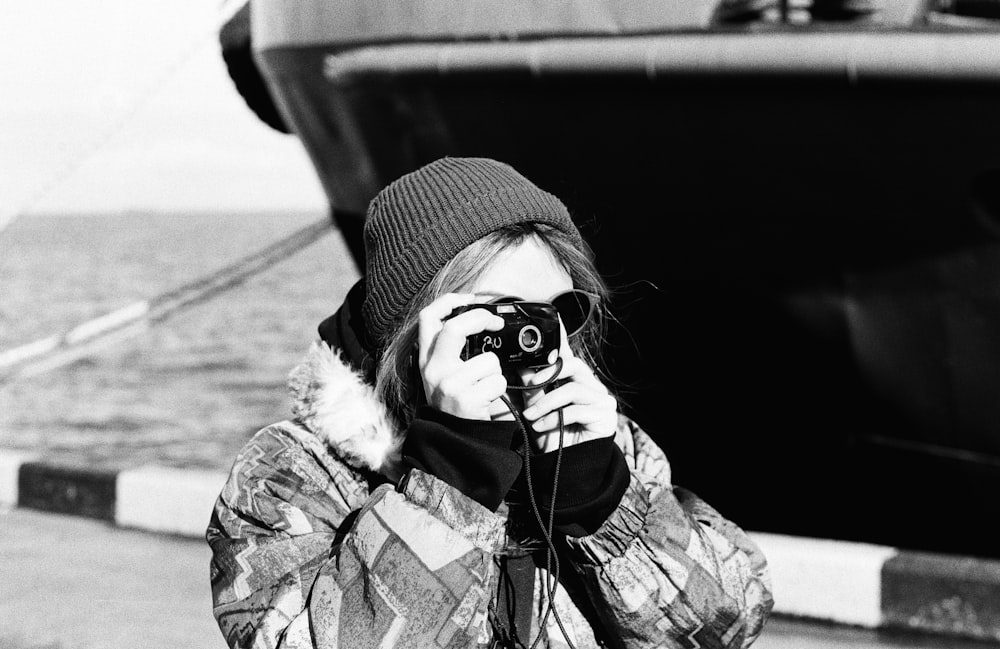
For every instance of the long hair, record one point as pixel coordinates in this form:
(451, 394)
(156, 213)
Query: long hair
(397, 379)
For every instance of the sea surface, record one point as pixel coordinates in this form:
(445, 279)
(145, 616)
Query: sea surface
(190, 390)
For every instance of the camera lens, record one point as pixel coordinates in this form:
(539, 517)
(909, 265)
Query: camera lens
(530, 338)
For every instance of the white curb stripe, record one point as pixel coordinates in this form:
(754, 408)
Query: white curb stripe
(838, 581)
(164, 499)
(10, 467)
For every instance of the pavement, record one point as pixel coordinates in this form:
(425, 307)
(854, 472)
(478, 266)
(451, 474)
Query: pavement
(847, 584)
(81, 583)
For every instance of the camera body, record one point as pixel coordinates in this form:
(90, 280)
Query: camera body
(528, 339)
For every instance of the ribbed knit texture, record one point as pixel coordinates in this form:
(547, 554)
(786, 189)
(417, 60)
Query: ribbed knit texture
(417, 223)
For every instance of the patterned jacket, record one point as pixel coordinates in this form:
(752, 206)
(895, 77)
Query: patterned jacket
(319, 540)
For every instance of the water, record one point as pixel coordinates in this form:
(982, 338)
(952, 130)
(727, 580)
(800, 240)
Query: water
(190, 390)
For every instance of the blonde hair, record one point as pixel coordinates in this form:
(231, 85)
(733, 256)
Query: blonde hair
(397, 378)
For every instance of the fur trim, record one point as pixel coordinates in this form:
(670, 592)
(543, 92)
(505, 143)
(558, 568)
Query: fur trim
(338, 406)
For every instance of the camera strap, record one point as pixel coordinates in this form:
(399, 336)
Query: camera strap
(551, 555)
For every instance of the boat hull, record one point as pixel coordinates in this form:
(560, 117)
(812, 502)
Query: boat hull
(805, 256)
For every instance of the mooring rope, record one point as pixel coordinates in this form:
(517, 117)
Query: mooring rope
(122, 324)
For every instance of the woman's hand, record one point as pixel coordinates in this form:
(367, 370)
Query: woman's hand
(589, 410)
(460, 388)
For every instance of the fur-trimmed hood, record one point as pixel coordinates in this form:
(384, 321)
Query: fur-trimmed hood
(332, 399)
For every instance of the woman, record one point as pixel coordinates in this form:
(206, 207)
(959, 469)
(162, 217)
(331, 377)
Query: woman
(428, 495)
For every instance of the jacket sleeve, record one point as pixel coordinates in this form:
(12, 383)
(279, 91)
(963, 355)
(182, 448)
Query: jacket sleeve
(303, 556)
(665, 568)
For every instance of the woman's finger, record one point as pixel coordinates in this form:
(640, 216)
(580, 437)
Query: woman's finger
(436, 328)
(579, 387)
(478, 368)
(455, 394)
(583, 415)
(573, 368)
(431, 319)
(450, 340)
(488, 390)
(531, 397)
(586, 422)
(572, 393)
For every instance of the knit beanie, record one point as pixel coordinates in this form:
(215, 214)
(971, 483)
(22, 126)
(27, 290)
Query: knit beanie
(420, 221)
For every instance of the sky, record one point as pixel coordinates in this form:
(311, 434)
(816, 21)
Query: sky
(125, 105)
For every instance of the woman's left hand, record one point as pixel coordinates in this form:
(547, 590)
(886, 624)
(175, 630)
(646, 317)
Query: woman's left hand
(589, 410)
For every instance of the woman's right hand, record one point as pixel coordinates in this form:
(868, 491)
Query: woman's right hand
(460, 388)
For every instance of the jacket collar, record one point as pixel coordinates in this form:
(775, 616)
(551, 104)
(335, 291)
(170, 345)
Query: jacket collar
(332, 399)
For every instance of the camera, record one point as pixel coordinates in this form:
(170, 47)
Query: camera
(529, 336)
